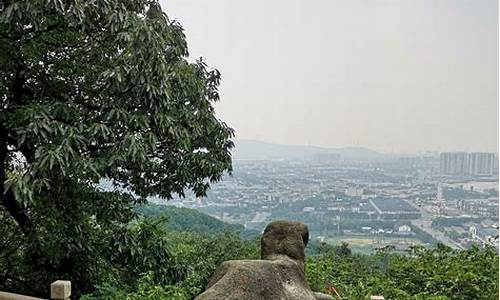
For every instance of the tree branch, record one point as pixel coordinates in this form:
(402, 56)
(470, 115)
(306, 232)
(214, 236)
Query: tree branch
(8, 198)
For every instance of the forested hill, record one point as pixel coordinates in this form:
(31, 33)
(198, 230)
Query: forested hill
(191, 220)
(197, 244)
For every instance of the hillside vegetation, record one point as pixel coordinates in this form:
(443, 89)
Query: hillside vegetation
(170, 253)
(437, 273)
(189, 220)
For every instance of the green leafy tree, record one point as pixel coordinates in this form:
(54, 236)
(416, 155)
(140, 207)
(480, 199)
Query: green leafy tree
(196, 255)
(91, 90)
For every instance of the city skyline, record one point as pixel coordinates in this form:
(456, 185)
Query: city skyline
(392, 76)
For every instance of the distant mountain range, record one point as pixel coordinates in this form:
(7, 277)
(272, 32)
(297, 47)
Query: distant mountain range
(251, 149)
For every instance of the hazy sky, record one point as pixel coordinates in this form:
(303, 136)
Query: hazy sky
(392, 75)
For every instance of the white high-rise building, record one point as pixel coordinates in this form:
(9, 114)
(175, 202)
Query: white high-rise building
(481, 163)
(453, 163)
(463, 163)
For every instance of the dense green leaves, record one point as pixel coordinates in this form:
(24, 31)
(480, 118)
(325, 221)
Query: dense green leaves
(196, 255)
(91, 90)
(96, 89)
(437, 273)
(73, 238)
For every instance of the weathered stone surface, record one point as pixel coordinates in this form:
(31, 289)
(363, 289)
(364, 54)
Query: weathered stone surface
(278, 276)
(12, 296)
(60, 289)
(285, 238)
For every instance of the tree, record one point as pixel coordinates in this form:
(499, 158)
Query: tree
(92, 90)
(343, 249)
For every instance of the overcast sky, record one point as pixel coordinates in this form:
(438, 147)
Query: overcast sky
(399, 76)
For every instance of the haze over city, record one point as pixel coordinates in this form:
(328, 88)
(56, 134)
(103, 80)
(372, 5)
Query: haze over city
(393, 76)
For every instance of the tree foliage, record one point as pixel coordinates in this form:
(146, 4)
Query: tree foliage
(90, 90)
(196, 255)
(436, 273)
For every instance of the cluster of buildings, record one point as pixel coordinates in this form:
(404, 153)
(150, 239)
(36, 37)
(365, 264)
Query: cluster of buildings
(389, 202)
(468, 164)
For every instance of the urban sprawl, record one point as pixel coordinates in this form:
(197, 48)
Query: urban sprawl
(370, 203)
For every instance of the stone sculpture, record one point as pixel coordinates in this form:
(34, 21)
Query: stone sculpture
(279, 275)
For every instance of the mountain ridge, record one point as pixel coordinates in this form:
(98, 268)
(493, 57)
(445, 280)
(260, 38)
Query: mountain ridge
(254, 149)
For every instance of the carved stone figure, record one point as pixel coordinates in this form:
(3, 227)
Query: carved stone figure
(279, 275)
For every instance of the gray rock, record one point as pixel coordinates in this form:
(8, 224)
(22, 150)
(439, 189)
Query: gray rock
(285, 238)
(278, 276)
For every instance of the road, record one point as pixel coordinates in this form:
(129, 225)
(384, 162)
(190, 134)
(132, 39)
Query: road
(425, 222)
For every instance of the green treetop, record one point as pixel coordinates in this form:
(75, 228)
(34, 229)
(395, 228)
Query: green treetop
(98, 89)
(94, 89)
